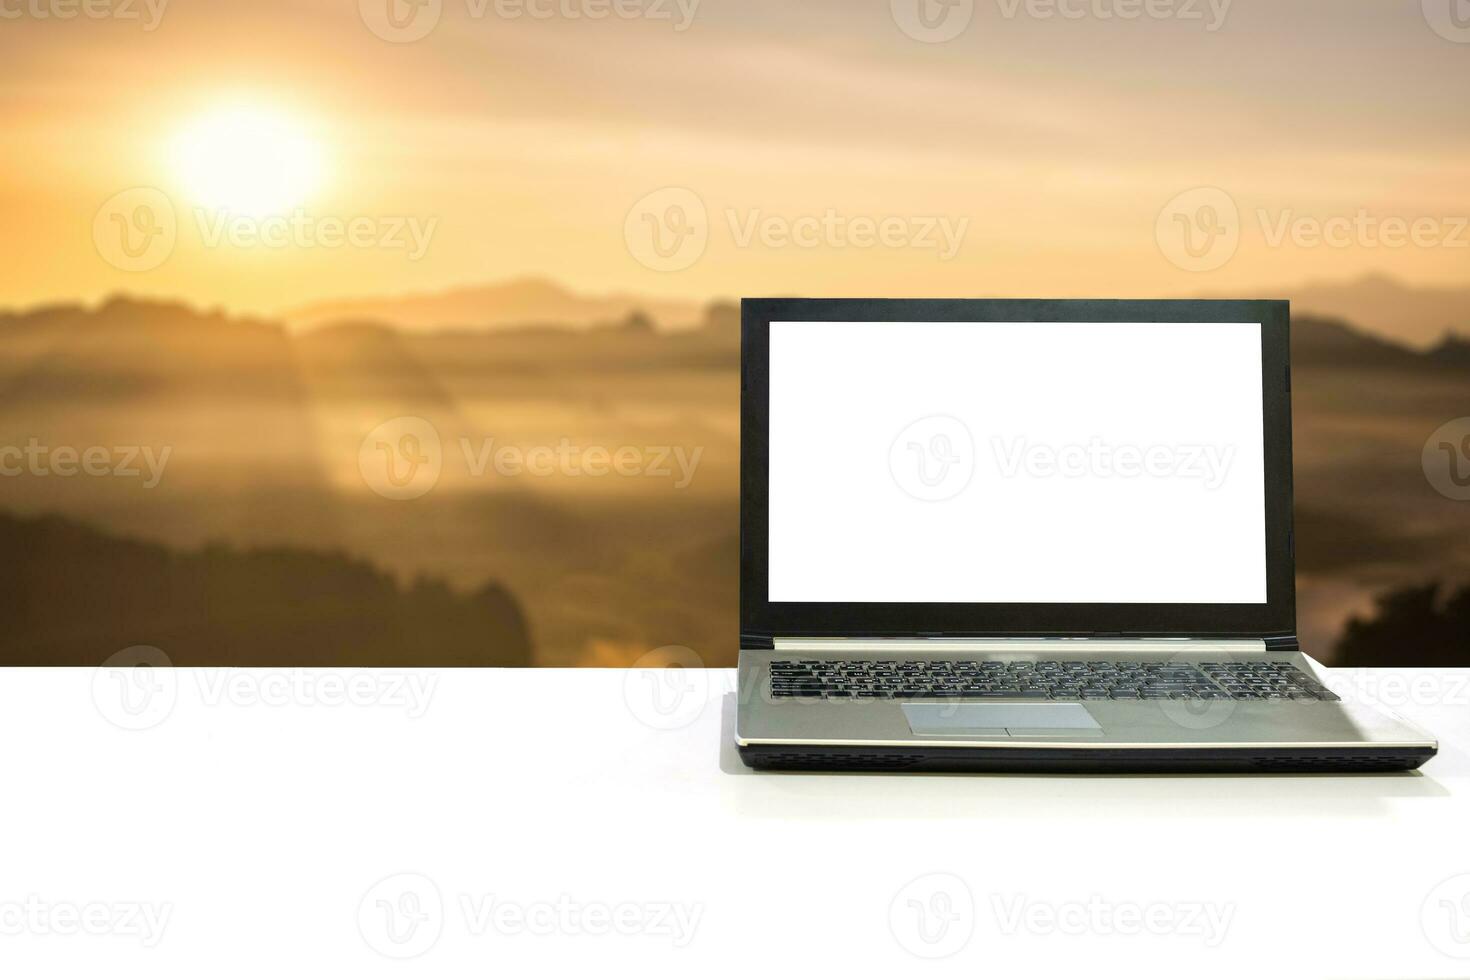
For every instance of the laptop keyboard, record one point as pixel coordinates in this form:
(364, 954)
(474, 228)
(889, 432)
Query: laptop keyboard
(1048, 680)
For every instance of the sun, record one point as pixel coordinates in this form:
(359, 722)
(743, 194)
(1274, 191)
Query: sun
(248, 160)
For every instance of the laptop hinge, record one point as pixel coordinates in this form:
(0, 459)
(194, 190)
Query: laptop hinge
(1286, 643)
(1041, 645)
(756, 641)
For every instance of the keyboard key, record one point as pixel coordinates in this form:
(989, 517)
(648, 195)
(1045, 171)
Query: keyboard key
(1048, 679)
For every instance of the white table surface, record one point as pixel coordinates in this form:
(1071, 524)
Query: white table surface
(565, 824)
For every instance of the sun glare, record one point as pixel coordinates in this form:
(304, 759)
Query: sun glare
(248, 161)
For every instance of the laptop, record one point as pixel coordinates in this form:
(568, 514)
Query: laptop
(1028, 535)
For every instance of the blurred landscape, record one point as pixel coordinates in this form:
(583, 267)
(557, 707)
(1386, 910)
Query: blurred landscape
(386, 332)
(255, 530)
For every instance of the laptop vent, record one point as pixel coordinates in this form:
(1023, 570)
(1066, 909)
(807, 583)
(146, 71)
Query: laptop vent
(835, 761)
(1318, 763)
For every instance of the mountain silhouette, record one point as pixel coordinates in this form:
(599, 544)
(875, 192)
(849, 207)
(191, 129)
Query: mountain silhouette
(266, 478)
(520, 302)
(1416, 316)
(1422, 625)
(77, 596)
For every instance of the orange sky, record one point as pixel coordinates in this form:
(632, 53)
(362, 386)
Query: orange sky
(819, 147)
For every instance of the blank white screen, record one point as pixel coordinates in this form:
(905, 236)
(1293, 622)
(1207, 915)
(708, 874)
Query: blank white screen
(909, 462)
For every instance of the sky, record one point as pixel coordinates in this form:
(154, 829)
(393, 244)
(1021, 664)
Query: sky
(265, 155)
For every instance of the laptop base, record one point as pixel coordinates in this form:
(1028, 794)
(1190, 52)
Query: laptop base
(1238, 759)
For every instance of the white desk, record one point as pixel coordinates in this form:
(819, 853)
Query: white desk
(244, 832)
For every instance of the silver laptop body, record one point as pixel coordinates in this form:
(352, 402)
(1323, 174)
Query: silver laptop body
(1028, 535)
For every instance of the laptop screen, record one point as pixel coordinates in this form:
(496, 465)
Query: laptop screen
(952, 462)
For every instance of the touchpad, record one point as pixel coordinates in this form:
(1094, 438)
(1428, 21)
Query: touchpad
(1001, 720)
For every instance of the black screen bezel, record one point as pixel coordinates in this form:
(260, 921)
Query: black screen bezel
(761, 618)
